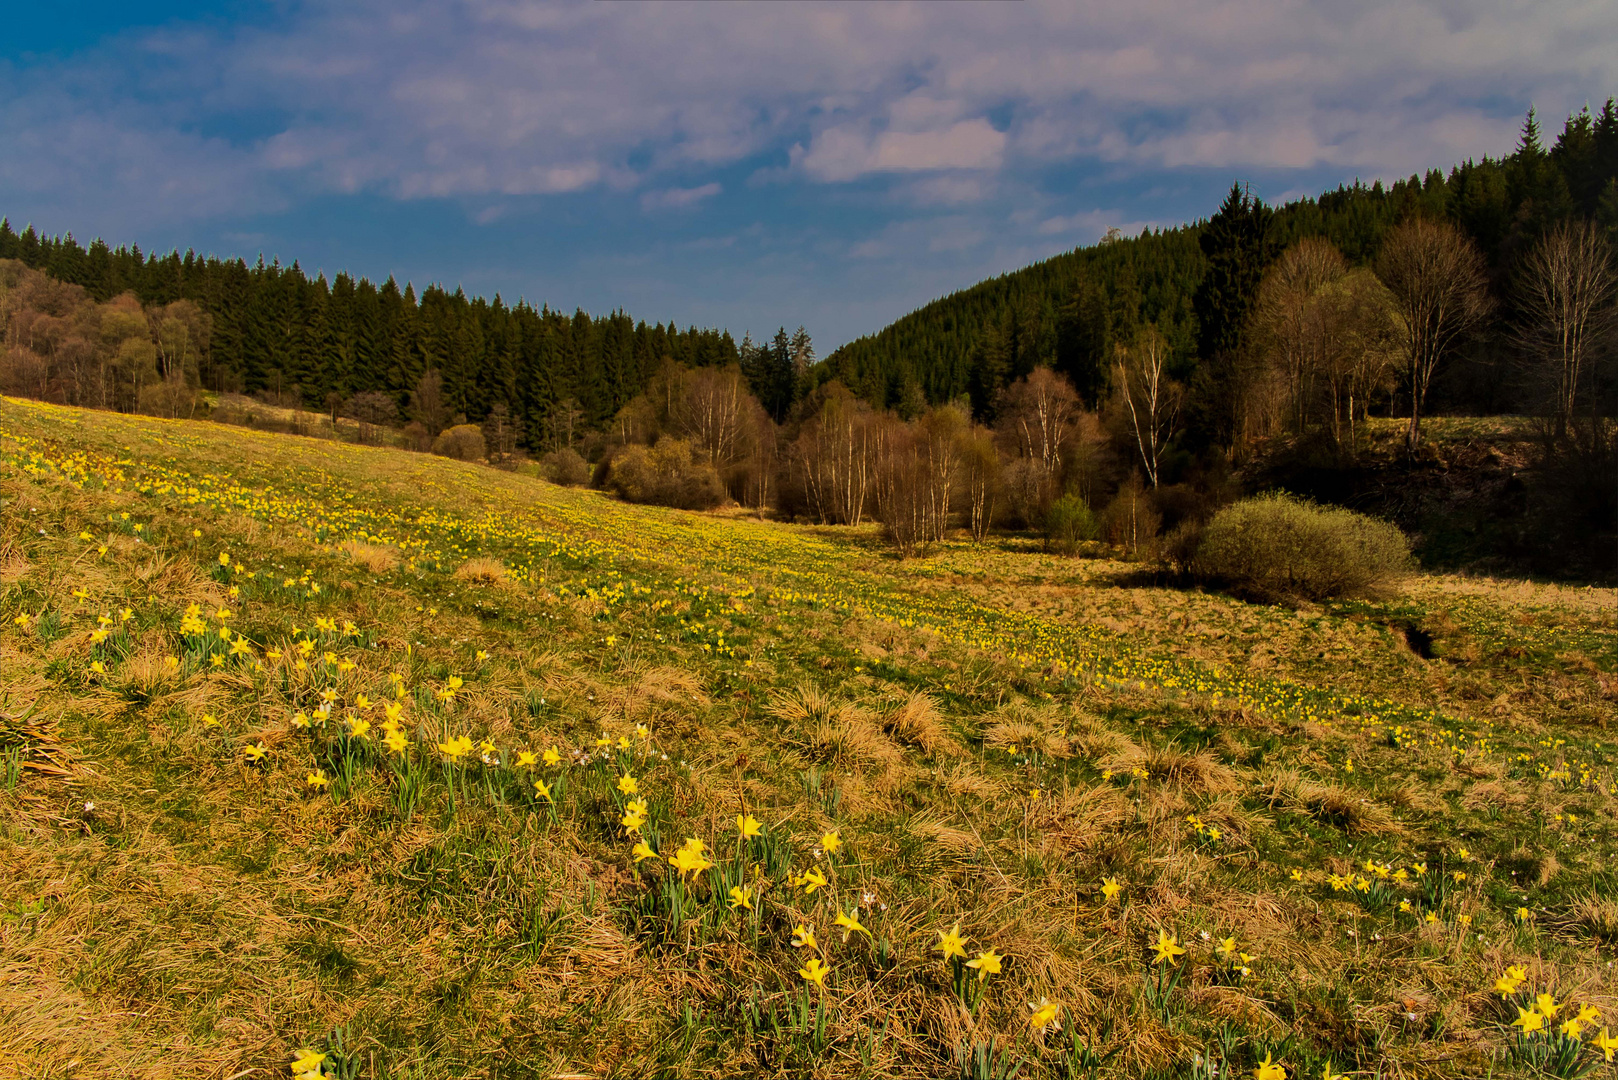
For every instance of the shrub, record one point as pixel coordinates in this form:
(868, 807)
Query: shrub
(1279, 546)
(1068, 522)
(565, 467)
(464, 442)
(665, 474)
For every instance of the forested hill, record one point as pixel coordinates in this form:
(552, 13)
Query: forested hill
(276, 331)
(1069, 310)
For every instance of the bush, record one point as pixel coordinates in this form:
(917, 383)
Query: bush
(1068, 522)
(666, 475)
(1278, 546)
(464, 442)
(565, 467)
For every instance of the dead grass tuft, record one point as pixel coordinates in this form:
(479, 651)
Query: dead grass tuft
(374, 557)
(916, 722)
(1332, 804)
(1200, 771)
(481, 571)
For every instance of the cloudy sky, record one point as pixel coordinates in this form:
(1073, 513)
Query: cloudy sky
(743, 165)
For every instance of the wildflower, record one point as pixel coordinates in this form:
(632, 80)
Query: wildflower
(98, 667)
(1572, 1028)
(254, 752)
(747, 825)
(1523, 914)
(317, 779)
(1588, 1014)
(831, 842)
(525, 758)
(300, 720)
(1459, 876)
(741, 897)
(1167, 946)
(1110, 887)
(951, 944)
(632, 822)
(636, 806)
(482, 655)
(1529, 1020)
(543, 790)
(804, 937)
(813, 879)
(850, 924)
(1432, 917)
(1297, 875)
(815, 971)
(1547, 1005)
(987, 963)
(1227, 948)
(457, 748)
(627, 784)
(307, 1065)
(1404, 906)
(642, 850)
(1507, 984)
(1267, 1070)
(1605, 1043)
(358, 726)
(689, 860)
(1045, 1014)
(551, 757)
(396, 741)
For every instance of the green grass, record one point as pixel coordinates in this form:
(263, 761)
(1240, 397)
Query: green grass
(991, 732)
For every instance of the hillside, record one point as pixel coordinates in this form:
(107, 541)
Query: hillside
(439, 771)
(1068, 311)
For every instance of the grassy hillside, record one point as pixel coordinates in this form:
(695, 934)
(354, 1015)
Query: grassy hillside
(239, 822)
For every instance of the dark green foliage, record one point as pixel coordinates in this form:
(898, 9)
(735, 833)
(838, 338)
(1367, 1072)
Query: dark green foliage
(1276, 546)
(279, 333)
(1196, 282)
(1069, 522)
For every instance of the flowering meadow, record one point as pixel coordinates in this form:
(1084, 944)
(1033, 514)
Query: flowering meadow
(324, 760)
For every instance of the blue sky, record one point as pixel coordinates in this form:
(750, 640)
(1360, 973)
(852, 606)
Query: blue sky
(827, 164)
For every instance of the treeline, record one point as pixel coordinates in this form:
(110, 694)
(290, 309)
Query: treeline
(270, 331)
(1194, 285)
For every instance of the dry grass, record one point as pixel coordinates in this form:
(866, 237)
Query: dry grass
(375, 558)
(207, 917)
(481, 571)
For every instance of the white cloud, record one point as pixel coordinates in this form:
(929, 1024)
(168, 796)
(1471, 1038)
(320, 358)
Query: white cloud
(678, 198)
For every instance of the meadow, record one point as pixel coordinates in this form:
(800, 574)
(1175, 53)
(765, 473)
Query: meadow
(328, 760)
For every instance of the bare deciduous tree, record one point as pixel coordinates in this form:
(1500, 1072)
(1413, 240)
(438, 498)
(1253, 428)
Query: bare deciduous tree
(1437, 278)
(1565, 292)
(1151, 399)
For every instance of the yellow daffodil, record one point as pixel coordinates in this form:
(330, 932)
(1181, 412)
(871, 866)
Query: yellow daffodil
(1167, 947)
(741, 897)
(396, 741)
(627, 784)
(307, 1065)
(815, 971)
(98, 667)
(1044, 1014)
(543, 790)
(951, 943)
(642, 850)
(255, 752)
(1606, 1043)
(526, 758)
(551, 757)
(1268, 1070)
(1529, 1020)
(1110, 887)
(803, 938)
(632, 823)
(813, 879)
(689, 860)
(831, 842)
(317, 779)
(850, 924)
(747, 825)
(986, 964)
